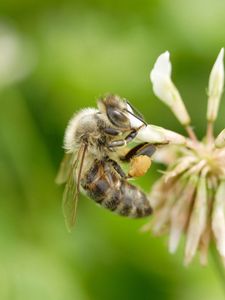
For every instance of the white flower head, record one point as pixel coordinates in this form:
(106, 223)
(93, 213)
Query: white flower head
(215, 89)
(189, 197)
(165, 89)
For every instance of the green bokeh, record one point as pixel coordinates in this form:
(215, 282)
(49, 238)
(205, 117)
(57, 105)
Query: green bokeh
(81, 50)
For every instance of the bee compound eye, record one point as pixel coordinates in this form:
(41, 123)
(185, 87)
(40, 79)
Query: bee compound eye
(117, 117)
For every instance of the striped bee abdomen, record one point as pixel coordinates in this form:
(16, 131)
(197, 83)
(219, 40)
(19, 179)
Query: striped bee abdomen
(107, 188)
(134, 202)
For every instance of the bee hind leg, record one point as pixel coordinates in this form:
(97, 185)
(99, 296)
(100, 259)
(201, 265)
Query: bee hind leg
(141, 149)
(140, 159)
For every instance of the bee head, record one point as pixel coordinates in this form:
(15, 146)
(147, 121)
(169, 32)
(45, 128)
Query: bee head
(116, 110)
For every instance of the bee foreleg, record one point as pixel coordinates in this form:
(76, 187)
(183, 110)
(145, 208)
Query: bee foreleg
(125, 141)
(112, 131)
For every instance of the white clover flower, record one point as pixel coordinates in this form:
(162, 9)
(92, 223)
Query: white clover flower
(189, 198)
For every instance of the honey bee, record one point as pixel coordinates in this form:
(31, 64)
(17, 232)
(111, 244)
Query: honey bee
(92, 160)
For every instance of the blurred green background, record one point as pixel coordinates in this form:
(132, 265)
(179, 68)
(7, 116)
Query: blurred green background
(59, 56)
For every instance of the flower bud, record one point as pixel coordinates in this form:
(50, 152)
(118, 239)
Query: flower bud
(165, 89)
(216, 82)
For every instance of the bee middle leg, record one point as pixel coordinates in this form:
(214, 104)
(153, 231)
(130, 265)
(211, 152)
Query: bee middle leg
(117, 168)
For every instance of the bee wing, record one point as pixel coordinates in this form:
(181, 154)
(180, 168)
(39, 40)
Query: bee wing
(64, 169)
(72, 188)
